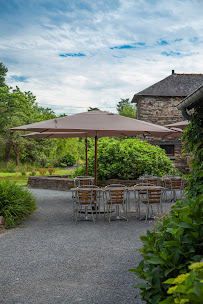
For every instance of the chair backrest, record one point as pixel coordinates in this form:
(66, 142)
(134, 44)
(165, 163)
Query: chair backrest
(116, 195)
(142, 191)
(149, 181)
(84, 196)
(167, 183)
(81, 181)
(176, 183)
(154, 195)
(153, 181)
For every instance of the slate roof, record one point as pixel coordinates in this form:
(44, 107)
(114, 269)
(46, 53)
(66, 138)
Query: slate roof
(175, 85)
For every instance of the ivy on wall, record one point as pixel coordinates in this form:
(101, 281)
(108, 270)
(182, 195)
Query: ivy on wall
(193, 143)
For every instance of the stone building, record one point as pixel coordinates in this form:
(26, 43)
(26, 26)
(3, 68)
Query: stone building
(158, 104)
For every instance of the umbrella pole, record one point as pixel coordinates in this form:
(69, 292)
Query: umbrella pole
(95, 162)
(86, 169)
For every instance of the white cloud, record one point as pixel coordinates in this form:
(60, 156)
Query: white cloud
(39, 31)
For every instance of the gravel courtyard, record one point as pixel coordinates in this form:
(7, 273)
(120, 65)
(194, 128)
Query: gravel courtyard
(50, 259)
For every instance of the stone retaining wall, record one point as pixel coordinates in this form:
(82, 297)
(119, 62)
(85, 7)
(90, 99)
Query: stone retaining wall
(58, 182)
(51, 182)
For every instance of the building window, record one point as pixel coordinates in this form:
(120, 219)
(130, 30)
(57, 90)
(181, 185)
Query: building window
(169, 149)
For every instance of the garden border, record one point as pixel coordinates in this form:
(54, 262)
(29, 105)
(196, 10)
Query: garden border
(65, 183)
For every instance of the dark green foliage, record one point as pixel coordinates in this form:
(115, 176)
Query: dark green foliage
(167, 252)
(16, 203)
(19, 108)
(193, 143)
(188, 287)
(127, 159)
(169, 249)
(68, 159)
(3, 71)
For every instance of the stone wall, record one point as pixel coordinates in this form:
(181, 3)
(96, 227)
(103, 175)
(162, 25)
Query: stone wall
(65, 184)
(51, 182)
(163, 111)
(159, 110)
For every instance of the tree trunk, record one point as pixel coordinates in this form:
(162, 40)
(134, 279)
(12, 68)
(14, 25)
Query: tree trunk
(8, 154)
(8, 148)
(15, 147)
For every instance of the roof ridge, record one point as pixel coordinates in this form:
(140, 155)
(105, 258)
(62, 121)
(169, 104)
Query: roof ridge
(187, 74)
(174, 85)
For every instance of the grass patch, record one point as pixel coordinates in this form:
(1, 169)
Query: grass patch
(23, 179)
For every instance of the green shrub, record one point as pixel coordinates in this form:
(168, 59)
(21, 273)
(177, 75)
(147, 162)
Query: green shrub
(188, 287)
(128, 159)
(169, 248)
(16, 203)
(10, 167)
(68, 159)
(79, 172)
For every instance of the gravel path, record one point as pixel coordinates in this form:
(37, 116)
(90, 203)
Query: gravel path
(50, 259)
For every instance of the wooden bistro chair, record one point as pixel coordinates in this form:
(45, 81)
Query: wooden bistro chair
(151, 181)
(98, 195)
(83, 201)
(83, 181)
(167, 188)
(116, 197)
(154, 196)
(177, 184)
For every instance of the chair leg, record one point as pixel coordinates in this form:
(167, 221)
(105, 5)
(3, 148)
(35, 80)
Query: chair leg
(110, 213)
(128, 201)
(92, 214)
(147, 213)
(136, 204)
(76, 213)
(126, 214)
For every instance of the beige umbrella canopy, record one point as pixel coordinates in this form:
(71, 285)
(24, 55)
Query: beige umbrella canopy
(55, 134)
(97, 124)
(179, 125)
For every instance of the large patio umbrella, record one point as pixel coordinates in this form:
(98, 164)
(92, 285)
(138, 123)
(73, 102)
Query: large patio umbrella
(179, 125)
(97, 124)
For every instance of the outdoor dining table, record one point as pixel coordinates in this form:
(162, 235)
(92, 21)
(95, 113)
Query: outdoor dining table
(102, 190)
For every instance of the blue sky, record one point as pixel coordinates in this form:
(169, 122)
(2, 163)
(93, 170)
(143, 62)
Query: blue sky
(73, 54)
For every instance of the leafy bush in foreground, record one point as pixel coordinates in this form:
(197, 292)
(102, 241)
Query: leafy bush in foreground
(169, 249)
(15, 202)
(188, 287)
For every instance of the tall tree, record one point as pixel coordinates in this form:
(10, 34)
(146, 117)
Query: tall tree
(18, 108)
(3, 71)
(125, 108)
